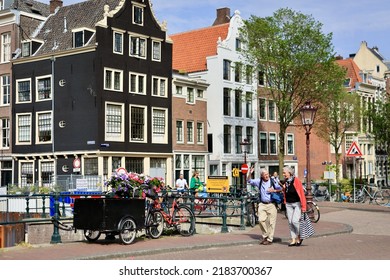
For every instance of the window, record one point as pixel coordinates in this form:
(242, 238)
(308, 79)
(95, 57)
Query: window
(134, 164)
(113, 79)
(249, 137)
(199, 133)
(5, 90)
(116, 163)
(156, 50)
(238, 72)
(137, 123)
(138, 47)
(159, 125)
(26, 49)
(227, 139)
(290, 144)
(23, 89)
(5, 47)
(238, 44)
(261, 78)
(238, 139)
(179, 132)
(199, 93)
(5, 132)
(226, 102)
(248, 105)
(118, 42)
(262, 109)
(271, 110)
(91, 166)
(238, 103)
(26, 173)
(190, 95)
(272, 144)
(226, 69)
(44, 127)
(248, 74)
(159, 87)
(190, 132)
(137, 83)
(23, 122)
(263, 143)
(114, 122)
(179, 90)
(81, 37)
(43, 90)
(47, 172)
(138, 15)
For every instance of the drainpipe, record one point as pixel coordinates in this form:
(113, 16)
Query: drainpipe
(53, 59)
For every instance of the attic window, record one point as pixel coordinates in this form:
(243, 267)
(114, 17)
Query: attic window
(81, 37)
(26, 49)
(347, 82)
(138, 15)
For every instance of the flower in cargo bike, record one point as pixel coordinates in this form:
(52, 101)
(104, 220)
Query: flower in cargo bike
(120, 185)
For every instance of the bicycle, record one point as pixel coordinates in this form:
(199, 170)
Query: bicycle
(178, 216)
(379, 196)
(251, 207)
(203, 203)
(313, 211)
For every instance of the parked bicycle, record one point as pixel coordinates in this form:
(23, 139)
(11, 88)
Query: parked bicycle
(313, 211)
(374, 194)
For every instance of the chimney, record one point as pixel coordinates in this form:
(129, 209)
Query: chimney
(54, 4)
(223, 16)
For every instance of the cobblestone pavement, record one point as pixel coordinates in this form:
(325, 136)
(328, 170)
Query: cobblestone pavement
(336, 219)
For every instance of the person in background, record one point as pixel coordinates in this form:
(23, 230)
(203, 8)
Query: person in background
(277, 182)
(181, 184)
(295, 200)
(267, 210)
(196, 185)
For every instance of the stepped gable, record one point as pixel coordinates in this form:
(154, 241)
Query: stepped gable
(57, 30)
(352, 71)
(190, 49)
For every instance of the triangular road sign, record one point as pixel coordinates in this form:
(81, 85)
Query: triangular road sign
(354, 151)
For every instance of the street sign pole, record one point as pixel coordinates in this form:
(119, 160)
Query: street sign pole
(354, 178)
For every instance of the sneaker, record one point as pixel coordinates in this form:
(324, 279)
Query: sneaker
(266, 242)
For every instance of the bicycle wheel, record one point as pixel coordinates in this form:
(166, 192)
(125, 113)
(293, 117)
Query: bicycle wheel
(154, 224)
(128, 231)
(383, 197)
(184, 220)
(212, 206)
(250, 215)
(198, 206)
(231, 206)
(313, 211)
(91, 235)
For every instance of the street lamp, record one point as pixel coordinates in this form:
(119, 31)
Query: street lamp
(244, 147)
(308, 113)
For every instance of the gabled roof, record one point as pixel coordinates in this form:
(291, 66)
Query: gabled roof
(352, 71)
(57, 30)
(30, 6)
(190, 49)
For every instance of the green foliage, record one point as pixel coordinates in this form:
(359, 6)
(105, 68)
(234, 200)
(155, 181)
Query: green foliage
(380, 116)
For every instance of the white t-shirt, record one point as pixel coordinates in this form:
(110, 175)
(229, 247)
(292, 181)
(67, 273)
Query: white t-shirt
(181, 183)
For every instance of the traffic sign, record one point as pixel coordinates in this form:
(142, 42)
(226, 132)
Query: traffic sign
(354, 150)
(244, 168)
(236, 172)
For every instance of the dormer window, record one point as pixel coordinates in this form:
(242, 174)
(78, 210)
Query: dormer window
(81, 37)
(30, 47)
(138, 15)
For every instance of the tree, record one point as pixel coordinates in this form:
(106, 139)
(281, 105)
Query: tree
(297, 61)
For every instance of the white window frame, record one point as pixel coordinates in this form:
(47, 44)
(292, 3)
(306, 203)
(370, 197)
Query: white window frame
(18, 116)
(141, 45)
(21, 162)
(17, 90)
(37, 79)
(156, 50)
(265, 108)
(133, 14)
(5, 133)
(137, 84)
(5, 47)
(24, 54)
(287, 142)
(81, 30)
(114, 43)
(200, 137)
(180, 134)
(5, 90)
(276, 143)
(37, 140)
(190, 136)
(145, 127)
(111, 136)
(112, 86)
(161, 138)
(159, 79)
(269, 111)
(190, 95)
(40, 171)
(266, 141)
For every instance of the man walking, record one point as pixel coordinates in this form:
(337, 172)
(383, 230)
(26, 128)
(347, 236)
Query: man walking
(267, 210)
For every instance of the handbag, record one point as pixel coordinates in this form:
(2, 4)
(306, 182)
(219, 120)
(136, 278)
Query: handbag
(306, 228)
(277, 197)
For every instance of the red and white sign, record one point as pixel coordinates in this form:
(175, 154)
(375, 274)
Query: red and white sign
(76, 163)
(354, 150)
(244, 168)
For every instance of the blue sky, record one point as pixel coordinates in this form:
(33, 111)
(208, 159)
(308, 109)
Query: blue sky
(351, 22)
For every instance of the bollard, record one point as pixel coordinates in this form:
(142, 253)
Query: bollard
(43, 215)
(56, 238)
(242, 208)
(27, 207)
(224, 224)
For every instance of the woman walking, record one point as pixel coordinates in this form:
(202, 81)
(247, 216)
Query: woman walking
(295, 203)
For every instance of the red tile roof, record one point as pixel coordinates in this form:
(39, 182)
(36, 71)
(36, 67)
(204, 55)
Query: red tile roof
(352, 70)
(191, 48)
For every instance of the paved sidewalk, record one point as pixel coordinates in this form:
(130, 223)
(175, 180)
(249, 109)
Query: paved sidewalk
(112, 249)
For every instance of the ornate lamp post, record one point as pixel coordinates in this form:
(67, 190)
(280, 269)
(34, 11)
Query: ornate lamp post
(244, 147)
(308, 113)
